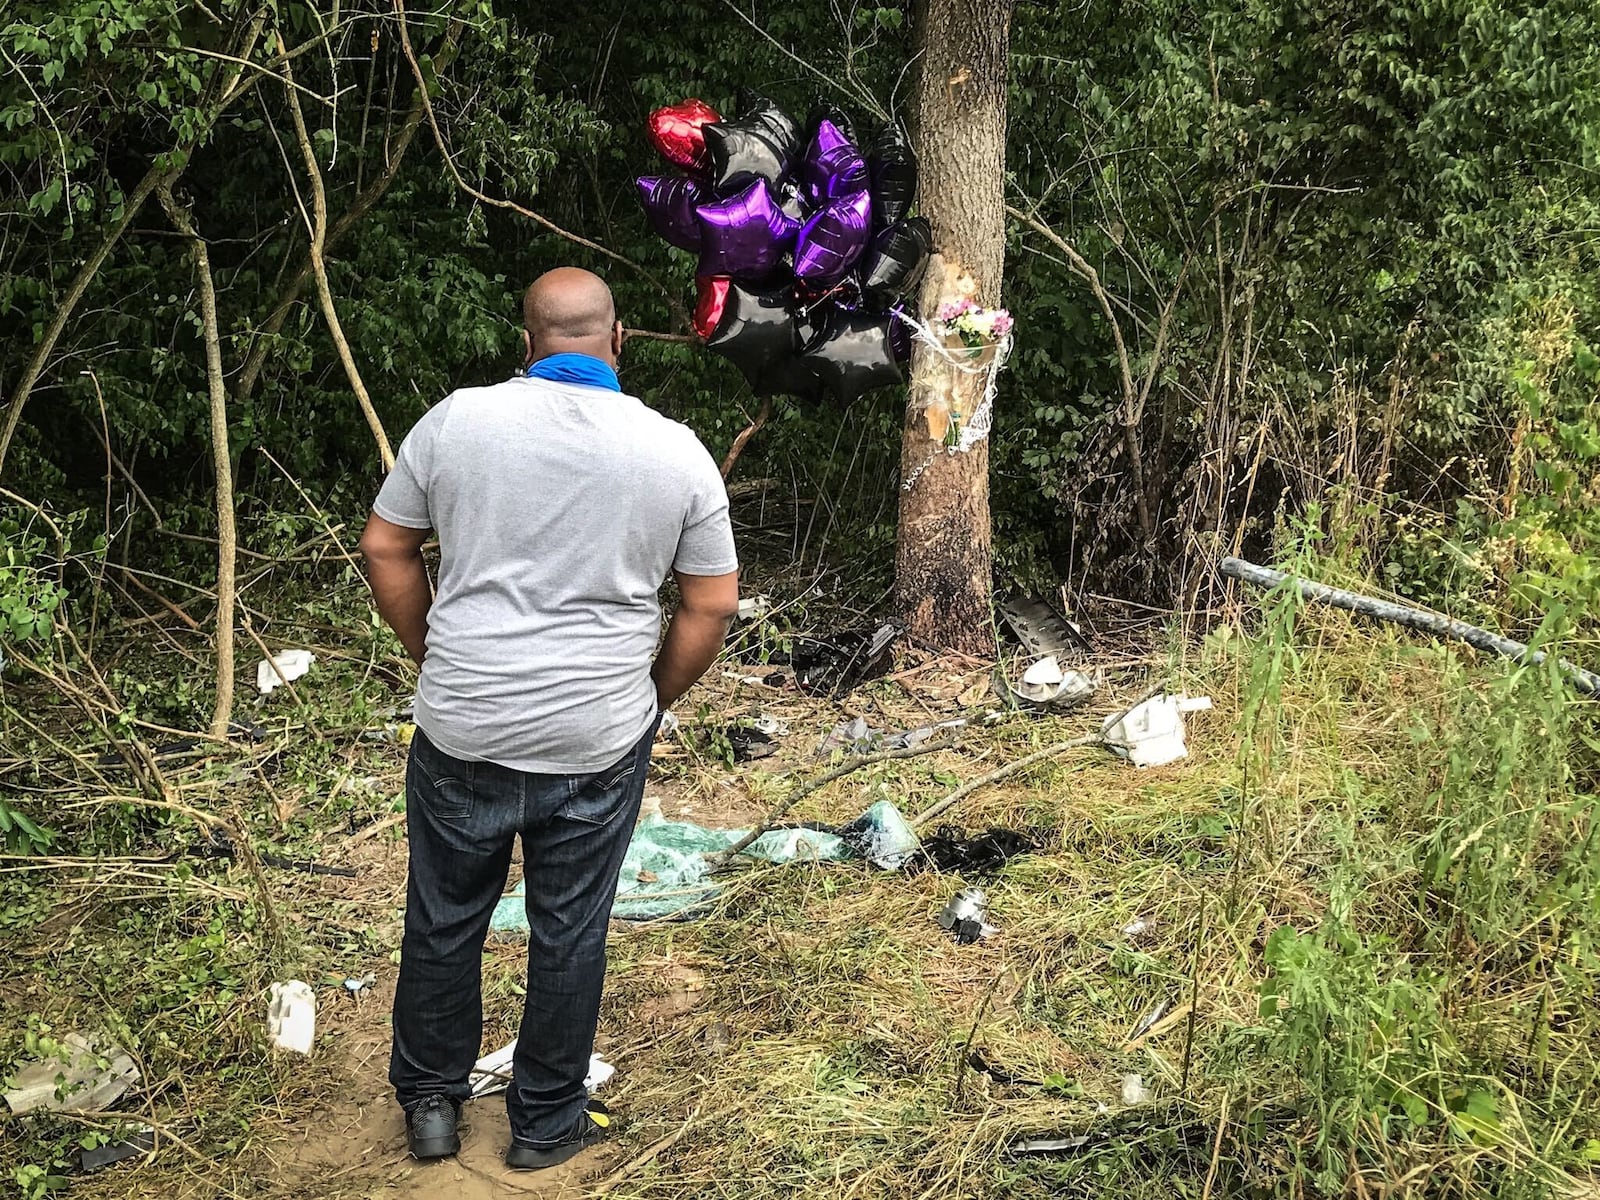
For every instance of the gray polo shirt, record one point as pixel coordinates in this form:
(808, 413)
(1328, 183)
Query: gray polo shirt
(560, 510)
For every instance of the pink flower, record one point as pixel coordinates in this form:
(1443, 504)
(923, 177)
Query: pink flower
(1002, 323)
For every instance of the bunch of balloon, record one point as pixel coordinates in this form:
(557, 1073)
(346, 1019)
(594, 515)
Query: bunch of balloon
(807, 244)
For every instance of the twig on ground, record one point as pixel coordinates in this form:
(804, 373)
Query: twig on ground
(827, 777)
(1216, 1150)
(1022, 764)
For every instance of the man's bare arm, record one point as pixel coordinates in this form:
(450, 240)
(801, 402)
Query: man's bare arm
(399, 580)
(695, 633)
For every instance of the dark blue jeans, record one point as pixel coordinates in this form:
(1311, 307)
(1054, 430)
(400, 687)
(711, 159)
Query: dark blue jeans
(461, 818)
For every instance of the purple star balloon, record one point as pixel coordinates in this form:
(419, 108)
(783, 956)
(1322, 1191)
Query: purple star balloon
(669, 204)
(832, 240)
(745, 235)
(833, 167)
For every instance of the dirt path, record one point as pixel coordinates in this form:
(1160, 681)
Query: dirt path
(349, 1139)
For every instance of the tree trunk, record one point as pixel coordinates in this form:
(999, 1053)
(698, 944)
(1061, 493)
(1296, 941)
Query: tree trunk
(943, 564)
(221, 459)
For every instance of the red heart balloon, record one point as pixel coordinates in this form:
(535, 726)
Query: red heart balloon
(676, 131)
(708, 310)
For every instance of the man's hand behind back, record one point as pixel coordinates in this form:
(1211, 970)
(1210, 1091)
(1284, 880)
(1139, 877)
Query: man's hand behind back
(695, 633)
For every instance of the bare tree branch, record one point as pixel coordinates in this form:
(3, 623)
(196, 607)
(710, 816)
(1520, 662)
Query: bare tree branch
(221, 460)
(319, 234)
(368, 196)
(1130, 399)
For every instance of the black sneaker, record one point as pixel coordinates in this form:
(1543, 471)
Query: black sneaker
(596, 1128)
(431, 1127)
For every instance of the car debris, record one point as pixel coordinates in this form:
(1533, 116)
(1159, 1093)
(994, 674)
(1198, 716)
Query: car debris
(292, 1016)
(90, 1074)
(1153, 734)
(283, 667)
(964, 916)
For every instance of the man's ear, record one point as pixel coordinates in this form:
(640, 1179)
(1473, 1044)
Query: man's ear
(527, 348)
(616, 340)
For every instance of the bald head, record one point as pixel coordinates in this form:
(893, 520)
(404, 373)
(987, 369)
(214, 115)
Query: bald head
(570, 311)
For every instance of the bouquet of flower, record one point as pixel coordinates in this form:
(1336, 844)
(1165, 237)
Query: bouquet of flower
(969, 326)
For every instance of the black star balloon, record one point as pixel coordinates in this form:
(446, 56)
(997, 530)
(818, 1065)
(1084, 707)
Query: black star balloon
(757, 332)
(894, 176)
(852, 354)
(895, 261)
(761, 144)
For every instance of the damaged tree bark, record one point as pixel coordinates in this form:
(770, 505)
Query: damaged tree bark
(944, 556)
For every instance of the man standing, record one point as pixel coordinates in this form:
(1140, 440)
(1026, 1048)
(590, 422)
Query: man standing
(561, 505)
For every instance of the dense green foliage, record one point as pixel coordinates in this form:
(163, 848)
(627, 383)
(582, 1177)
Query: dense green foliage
(1370, 230)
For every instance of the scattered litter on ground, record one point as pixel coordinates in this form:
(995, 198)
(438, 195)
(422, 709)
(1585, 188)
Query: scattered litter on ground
(492, 1072)
(770, 725)
(356, 986)
(141, 1141)
(750, 743)
(857, 737)
(717, 1038)
(669, 724)
(1045, 682)
(1053, 1145)
(666, 871)
(834, 667)
(753, 608)
(994, 1071)
(292, 1016)
(1040, 629)
(1153, 733)
(1134, 1091)
(395, 733)
(1148, 1021)
(854, 737)
(1137, 928)
(881, 836)
(283, 667)
(964, 916)
(971, 857)
(96, 1074)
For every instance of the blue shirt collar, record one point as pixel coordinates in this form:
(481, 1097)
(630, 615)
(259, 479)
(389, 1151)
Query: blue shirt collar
(582, 369)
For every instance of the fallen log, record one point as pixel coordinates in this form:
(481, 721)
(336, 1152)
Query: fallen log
(1412, 618)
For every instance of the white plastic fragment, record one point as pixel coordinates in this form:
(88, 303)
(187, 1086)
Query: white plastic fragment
(753, 608)
(1046, 683)
(1153, 734)
(492, 1072)
(292, 1016)
(1044, 673)
(80, 1084)
(1134, 1091)
(1138, 927)
(669, 724)
(283, 667)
